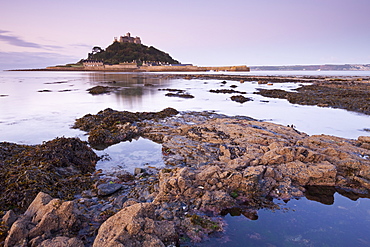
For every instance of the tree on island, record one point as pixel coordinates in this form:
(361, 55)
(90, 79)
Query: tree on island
(96, 49)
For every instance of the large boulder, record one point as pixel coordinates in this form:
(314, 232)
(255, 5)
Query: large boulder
(136, 226)
(45, 219)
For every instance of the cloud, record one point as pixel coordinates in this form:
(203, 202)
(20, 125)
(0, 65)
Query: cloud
(81, 45)
(32, 60)
(7, 37)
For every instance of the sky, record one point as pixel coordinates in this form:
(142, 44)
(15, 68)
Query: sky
(40, 33)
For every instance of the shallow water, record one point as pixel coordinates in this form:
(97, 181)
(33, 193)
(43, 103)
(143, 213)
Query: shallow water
(39, 106)
(127, 156)
(301, 223)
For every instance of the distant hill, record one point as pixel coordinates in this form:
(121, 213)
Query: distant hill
(343, 67)
(127, 52)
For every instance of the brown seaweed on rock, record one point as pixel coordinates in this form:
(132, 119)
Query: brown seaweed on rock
(352, 96)
(59, 167)
(109, 126)
(100, 90)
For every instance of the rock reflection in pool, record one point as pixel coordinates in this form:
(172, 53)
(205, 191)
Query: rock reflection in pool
(301, 223)
(130, 155)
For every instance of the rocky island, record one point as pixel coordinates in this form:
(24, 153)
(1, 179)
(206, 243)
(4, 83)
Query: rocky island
(128, 54)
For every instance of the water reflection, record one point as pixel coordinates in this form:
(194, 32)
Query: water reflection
(301, 222)
(140, 153)
(325, 194)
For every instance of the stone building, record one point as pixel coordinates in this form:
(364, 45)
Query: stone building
(92, 63)
(128, 39)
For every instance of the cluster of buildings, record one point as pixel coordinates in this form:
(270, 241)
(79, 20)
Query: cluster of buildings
(128, 39)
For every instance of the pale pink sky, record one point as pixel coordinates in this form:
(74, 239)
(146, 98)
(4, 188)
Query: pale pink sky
(39, 33)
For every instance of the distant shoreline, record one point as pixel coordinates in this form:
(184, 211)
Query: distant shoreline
(325, 67)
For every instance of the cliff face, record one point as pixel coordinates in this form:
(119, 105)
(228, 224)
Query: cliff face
(127, 52)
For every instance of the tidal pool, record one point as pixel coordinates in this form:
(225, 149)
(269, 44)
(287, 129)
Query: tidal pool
(301, 222)
(140, 153)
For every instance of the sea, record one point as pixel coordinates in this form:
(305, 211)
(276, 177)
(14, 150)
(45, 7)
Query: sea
(37, 106)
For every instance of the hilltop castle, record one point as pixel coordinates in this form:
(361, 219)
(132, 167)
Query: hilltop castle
(128, 39)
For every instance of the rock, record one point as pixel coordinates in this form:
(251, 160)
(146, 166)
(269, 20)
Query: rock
(18, 233)
(44, 216)
(365, 139)
(137, 171)
(316, 174)
(120, 200)
(62, 242)
(254, 173)
(100, 90)
(41, 200)
(216, 201)
(364, 182)
(136, 226)
(108, 188)
(9, 218)
(208, 172)
(240, 99)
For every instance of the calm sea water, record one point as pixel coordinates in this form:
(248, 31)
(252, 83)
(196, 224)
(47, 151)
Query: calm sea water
(39, 106)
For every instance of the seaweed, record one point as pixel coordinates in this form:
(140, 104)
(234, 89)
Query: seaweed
(109, 127)
(60, 167)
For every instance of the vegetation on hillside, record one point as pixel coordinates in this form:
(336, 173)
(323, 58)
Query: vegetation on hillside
(127, 52)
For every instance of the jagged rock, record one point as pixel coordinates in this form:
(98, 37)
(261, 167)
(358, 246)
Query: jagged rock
(135, 226)
(9, 218)
(44, 216)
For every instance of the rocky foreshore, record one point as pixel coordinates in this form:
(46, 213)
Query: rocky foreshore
(215, 164)
(351, 93)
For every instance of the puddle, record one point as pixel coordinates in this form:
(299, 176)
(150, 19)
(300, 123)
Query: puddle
(126, 156)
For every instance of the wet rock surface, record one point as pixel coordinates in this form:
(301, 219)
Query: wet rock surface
(240, 99)
(101, 90)
(225, 91)
(215, 164)
(180, 95)
(177, 93)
